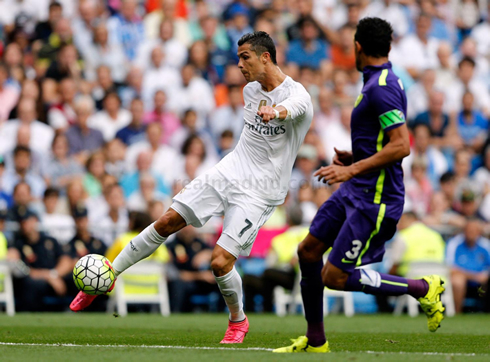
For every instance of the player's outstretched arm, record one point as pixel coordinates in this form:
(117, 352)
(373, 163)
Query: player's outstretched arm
(396, 149)
(268, 113)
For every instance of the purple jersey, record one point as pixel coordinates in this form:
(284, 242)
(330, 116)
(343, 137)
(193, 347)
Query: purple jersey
(381, 107)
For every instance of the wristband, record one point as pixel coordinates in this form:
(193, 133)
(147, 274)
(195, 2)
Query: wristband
(276, 113)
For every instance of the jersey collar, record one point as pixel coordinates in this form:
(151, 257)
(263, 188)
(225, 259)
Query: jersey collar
(370, 70)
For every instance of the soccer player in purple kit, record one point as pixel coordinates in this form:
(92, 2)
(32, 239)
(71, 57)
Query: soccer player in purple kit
(363, 213)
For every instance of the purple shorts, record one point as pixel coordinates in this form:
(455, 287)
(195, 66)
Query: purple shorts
(355, 228)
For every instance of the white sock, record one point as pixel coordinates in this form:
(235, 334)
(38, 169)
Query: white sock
(141, 247)
(230, 286)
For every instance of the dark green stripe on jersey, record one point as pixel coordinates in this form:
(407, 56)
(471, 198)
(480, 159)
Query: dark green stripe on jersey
(390, 118)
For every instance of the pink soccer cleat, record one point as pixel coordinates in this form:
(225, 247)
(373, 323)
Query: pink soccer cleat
(236, 332)
(81, 301)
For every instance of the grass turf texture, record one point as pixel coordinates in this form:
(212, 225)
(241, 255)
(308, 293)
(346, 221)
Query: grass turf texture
(350, 338)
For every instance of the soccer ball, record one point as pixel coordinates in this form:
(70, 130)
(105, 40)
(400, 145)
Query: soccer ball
(93, 274)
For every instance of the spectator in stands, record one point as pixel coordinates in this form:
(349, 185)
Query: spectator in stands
(62, 115)
(472, 124)
(441, 217)
(468, 82)
(47, 265)
(83, 139)
(44, 28)
(115, 152)
(309, 50)
(9, 94)
(343, 56)
(191, 256)
(146, 193)
(159, 75)
(95, 171)
(103, 84)
(61, 168)
(239, 25)
(21, 172)
(469, 206)
(422, 148)
(26, 111)
(38, 156)
(468, 255)
(135, 131)
(160, 114)
(21, 200)
(57, 225)
(435, 118)
(109, 226)
(418, 188)
(419, 50)
(418, 94)
(83, 242)
(168, 42)
(229, 117)
(414, 242)
(133, 87)
(200, 58)
(100, 51)
(66, 64)
(126, 28)
(282, 264)
(112, 118)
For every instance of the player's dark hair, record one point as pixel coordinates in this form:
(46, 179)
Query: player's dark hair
(375, 36)
(468, 60)
(260, 42)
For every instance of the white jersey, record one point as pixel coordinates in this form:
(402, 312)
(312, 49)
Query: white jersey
(261, 163)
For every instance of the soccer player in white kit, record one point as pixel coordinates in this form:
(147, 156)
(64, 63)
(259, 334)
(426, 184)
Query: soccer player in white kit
(245, 186)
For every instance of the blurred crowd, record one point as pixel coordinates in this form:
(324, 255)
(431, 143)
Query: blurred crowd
(109, 108)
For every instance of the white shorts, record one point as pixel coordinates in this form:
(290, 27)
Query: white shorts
(211, 194)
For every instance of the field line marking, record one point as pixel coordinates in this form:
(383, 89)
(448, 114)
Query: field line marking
(223, 348)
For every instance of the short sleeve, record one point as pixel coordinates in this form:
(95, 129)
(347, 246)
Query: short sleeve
(390, 104)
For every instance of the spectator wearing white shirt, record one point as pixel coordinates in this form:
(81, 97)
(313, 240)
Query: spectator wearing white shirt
(480, 34)
(112, 118)
(114, 222)
(391, 11)
(147, 193)
(159, 76)
(230, 116)
(164, 158)
(101, 52)
(418, 94)
(446, 71)
(26, 111)
(467, 81)
(133, 88)
(337, 134)
(168, 42)
(59, 226)
(327, 112)
(419, 50)
(194, 93)
(62, 115)
(468, 48)
(83, 25)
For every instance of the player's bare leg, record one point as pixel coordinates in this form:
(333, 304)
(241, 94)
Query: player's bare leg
(138, 249)
(230, 285)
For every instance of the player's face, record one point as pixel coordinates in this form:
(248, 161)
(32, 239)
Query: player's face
(251, 65)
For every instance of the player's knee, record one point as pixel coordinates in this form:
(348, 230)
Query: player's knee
(220, 266)
(306, 254)
(169, 223)
(333, 281)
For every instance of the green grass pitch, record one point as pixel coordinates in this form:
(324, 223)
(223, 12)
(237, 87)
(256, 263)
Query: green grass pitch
(145, 337)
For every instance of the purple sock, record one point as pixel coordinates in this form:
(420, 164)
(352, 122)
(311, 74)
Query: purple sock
(312, 293)
(417, 288)
(372, 282)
